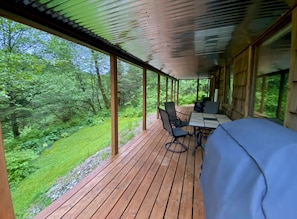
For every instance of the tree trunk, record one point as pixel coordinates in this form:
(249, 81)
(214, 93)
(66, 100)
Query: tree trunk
(14, 125)
(95, 93)
(105, 99)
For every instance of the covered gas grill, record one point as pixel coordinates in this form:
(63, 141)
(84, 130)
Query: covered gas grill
(250, 171)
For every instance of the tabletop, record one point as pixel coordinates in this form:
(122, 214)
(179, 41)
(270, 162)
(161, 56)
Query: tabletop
(207, 120)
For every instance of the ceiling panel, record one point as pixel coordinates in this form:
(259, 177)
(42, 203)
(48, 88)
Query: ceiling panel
(184, 38)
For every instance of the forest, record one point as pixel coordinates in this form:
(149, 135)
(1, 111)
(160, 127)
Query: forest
(50, 88)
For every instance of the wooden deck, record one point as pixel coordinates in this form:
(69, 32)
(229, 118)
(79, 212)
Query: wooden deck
(143, 181)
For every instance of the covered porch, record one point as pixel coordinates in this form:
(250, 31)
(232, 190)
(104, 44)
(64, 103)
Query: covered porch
(204, 39)
(143, 180)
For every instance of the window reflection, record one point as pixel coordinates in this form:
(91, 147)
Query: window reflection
(272, 75)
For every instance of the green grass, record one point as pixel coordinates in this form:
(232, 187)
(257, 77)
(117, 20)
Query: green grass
(61, 158)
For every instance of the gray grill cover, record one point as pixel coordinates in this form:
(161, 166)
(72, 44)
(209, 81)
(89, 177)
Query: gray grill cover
(250, 171)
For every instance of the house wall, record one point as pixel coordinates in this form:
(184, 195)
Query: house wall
(242, 96)
(291, 110)
(226, 108)
(240, 86)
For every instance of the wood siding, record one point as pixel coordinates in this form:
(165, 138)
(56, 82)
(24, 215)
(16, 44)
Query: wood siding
(239, 96)
(291, 111)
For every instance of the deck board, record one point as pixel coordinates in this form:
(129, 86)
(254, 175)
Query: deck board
(143, 181)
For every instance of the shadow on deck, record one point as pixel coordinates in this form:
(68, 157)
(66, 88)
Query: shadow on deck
(143, 181)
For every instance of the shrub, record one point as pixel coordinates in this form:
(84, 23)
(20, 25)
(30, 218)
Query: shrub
(29, 132)
(64, 135)
(51, 138)
(31, 144)
(19, 165)
(131, 112)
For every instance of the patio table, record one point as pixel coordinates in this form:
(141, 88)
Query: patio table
(205, 121)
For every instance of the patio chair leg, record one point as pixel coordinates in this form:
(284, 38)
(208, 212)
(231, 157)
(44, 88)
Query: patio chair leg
(169, 145)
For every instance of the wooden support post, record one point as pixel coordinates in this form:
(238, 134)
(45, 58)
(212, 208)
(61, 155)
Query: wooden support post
(263, 94)
(248, 111)
(144, 99)
(171, 91)
(166, 90)
(291, 108)
(174, 91)
(6, 207)
(177, 91)
(114, 104)
(158, 94)
(224, 86)
(255, 59)
(197, 90)
(211, 87)
(280, 95)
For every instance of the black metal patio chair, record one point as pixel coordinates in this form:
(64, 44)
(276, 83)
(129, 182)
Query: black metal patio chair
(174, 132)
(211, 107)
(173, 118)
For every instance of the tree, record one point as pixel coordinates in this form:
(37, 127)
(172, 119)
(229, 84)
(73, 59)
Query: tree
(18, 71)
(129, 84)
(97, 58)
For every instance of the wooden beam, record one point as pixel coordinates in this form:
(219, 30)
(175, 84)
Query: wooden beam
(158, 94)
(114, 104)
(177, 91)
(248, 88)
(254, 79)
(144, 99)
(6, 208)
(291, 108)
(171, 91)
(224, 85)
(279, 72)
(263, 94)
(211, 87)
(197, 90)
(280, 95)
(166, 89)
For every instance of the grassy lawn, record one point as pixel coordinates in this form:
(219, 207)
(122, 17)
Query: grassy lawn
(61, 158)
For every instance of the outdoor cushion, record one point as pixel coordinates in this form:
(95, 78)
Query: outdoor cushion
(250, 171)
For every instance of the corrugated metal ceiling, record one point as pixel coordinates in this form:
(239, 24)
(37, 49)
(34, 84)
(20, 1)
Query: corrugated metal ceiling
(182, 38)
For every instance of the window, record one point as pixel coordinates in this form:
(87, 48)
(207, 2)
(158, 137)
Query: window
(272, 75)
(271, 94)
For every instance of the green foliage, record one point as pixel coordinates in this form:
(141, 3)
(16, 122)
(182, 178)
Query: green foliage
(187, 99)
(271, 95)
(53, 79)
(63, 156)
(104, 155)
(187, 94)
(19, 71)
(31, 144)
(64, 135)
(126, 137)
(19, 165)
(127, 129)
(129, 85)
(131, 112)
(151, 98)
